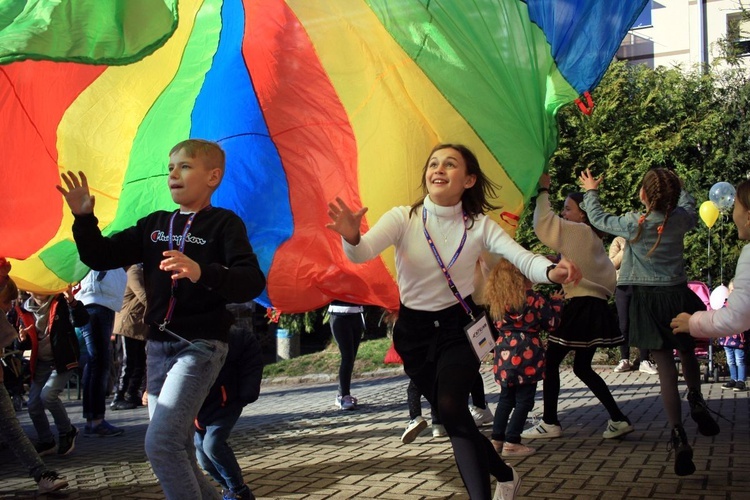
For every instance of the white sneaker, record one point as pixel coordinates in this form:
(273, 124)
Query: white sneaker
(413, 429)
(542, 431)
(617, 429)
(508, 489)
(481, 416)
(648, 367)
(49, 481)
(623, 366)
(347, 402)
(438, 431)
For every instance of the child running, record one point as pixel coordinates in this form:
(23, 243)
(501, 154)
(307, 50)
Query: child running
(654, 264)
(587, 321)
(735, 317)
(520, 313)
(438, 242)
(196, 259)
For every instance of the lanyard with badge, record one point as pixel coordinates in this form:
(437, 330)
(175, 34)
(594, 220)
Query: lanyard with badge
(181, 249)
(478, 331)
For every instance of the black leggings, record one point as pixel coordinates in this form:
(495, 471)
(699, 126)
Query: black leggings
(582, 369)
(670, 393)
(438, 358)
(347, 330)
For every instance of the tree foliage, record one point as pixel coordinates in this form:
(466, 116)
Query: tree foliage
(691, 121)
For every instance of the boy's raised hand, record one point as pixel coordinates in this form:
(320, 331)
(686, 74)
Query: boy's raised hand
(77, 194)
(345, 222)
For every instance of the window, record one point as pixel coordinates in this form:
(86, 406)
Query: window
(644, 19)
(738, 31)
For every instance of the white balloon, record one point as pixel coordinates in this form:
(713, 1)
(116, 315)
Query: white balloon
(718, 297)
(722, 194)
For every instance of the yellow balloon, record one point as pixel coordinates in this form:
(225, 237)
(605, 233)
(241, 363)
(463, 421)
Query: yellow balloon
(709, 213)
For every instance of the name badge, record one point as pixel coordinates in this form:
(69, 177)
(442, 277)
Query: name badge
(479, 334)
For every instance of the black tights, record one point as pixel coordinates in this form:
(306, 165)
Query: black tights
(475, 456)
(582, 369)
(670, 394)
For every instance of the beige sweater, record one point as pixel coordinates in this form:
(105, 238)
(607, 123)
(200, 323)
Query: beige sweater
(579, 243)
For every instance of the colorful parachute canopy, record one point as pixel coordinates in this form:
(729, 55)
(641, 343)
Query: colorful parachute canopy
(311, 99)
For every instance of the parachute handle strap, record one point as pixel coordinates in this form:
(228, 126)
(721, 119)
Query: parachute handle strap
(588, 107)
(510, 219)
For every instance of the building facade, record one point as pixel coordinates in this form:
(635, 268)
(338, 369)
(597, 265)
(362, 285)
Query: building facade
(686, 33)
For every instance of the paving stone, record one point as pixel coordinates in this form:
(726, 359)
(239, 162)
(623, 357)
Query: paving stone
(293, 444)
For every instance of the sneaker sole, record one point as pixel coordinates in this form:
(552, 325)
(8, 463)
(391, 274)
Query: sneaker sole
(707, 426)
(411, 434)
(546, 435)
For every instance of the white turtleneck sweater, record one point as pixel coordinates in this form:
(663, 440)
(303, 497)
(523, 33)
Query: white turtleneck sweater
(421, 283)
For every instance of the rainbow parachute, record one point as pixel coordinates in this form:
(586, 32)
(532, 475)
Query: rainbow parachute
(311, 99)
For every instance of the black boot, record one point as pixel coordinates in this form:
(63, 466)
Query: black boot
(117, 400)
(683, 453)
(700, 412)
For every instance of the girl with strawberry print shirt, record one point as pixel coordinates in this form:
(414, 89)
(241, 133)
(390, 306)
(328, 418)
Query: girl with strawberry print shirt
(520, 313)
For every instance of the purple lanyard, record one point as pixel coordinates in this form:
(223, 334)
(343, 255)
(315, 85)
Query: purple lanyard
(181, 249)
(445, 268)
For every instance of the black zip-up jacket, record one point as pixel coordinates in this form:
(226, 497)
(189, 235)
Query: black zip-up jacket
(238, 383)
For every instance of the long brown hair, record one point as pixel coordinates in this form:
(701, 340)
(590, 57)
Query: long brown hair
(662, 189)
(743, 194)
(475, 200)
(505, 289)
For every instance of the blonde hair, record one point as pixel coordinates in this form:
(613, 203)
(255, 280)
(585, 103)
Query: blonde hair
(505, 289)
(211, 151)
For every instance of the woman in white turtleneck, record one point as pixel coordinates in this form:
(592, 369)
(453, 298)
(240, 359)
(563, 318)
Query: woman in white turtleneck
(447, 223)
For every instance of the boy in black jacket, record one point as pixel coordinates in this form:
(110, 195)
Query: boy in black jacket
(237, 385)
(196, 260)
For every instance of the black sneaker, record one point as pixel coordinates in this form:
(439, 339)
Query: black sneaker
(740, 386)
(729, 385)
(68, 442)
(47, 448)
(49, 481)
(699, 412)
(683, 453)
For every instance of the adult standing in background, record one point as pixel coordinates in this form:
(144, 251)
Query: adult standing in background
(623, 293)
(130, 325)
(102, 293)
(347, 326)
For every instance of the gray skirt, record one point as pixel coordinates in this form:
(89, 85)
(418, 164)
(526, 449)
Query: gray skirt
(651, 311)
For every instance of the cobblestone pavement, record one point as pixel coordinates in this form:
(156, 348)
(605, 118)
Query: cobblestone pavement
(293, 444)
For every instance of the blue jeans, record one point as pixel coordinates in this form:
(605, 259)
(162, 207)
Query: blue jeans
(518, 399)
(44, 394)
(179, 377)
(736, 362)
(17, 440)
(96, 334)
(214, 453)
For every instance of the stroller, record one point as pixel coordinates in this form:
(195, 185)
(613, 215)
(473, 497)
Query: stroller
(704, 348)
